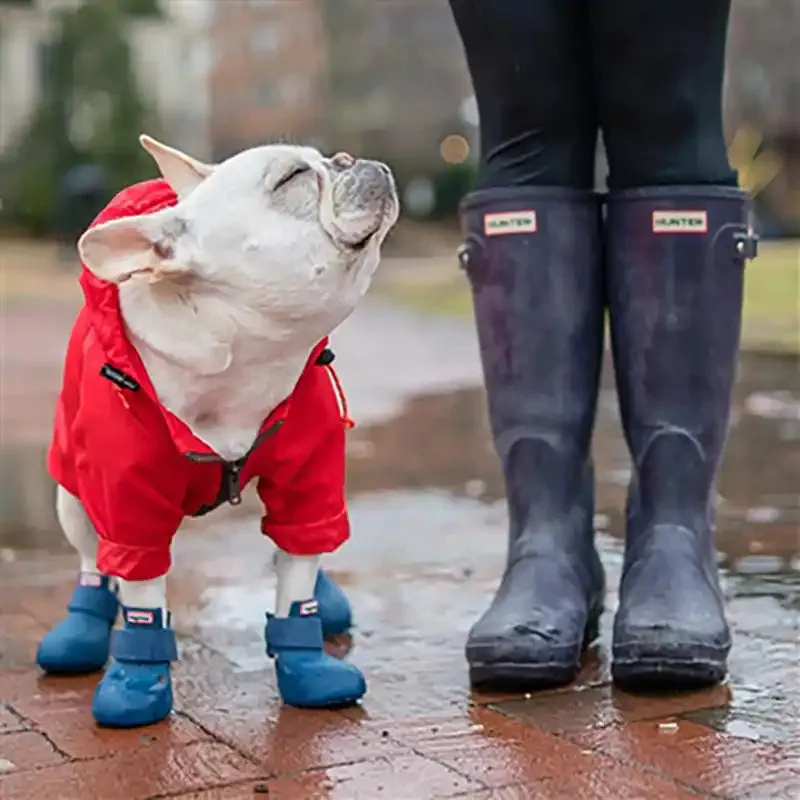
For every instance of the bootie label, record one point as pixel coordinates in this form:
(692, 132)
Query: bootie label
(139, 617)
(502, 222)
(680, 222)
(308, 609)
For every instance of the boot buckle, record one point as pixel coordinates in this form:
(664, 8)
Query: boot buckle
(746, 244)
(463, 255)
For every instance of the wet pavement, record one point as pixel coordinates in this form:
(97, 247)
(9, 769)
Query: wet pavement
(426, 554)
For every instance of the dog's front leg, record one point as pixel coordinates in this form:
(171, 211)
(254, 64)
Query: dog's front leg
(80, 643)
(144, 594)
(136, 689)
(297, 577)
(307, 676)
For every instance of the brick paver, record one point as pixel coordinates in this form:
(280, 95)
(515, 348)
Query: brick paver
(715, 762)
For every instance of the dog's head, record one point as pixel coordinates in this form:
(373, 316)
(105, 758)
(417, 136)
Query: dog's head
(278, 230)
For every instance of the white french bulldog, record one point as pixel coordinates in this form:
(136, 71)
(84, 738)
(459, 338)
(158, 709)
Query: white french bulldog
(199, 363)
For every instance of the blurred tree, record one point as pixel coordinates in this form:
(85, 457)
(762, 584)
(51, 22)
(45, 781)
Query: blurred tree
(91, 108)
(141, 8)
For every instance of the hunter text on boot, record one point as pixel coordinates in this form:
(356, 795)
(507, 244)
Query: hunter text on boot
(502, 222)
(680, 222)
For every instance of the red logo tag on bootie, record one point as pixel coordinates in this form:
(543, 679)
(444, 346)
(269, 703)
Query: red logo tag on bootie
(139, 617)
(309, 608)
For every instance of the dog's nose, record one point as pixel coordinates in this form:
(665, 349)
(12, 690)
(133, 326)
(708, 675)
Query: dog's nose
(343, 161)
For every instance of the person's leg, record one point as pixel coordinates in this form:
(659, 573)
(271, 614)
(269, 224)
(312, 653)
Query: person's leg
(529, 69)
(532, 256)
(658, 76)
(677, 240)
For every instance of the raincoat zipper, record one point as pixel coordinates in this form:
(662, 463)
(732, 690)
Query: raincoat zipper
(234, 485)
(231, 486)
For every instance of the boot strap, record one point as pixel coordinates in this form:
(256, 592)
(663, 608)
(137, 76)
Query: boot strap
(147, 645)
(293, 633)
(96, 602)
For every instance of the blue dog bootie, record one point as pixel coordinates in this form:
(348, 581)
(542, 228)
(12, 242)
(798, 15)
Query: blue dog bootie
(137, 687)
(307, 676)
(334, 607)
(80, 643)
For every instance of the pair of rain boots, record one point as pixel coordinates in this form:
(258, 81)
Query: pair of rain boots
(667, 264)
(136, 688)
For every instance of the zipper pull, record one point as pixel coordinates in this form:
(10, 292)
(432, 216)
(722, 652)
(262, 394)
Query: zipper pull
(234, 486)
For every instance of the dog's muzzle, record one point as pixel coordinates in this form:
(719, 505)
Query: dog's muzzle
(363, 195)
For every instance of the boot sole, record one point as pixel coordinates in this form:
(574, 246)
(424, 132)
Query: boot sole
(72, 672)
(507, 676)
(513, 676)
(657, 673)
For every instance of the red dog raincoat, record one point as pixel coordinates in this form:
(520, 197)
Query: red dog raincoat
(138, 470)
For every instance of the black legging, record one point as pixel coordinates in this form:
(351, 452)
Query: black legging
(548, 73)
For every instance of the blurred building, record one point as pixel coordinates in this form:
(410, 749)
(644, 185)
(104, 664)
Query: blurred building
(373, 77)
(268, 76)
(23, 28)
(173, 59)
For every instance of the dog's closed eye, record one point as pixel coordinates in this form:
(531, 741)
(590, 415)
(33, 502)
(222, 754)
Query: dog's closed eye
(294, 172)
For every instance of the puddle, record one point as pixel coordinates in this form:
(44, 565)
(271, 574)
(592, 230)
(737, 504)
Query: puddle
(442, 442)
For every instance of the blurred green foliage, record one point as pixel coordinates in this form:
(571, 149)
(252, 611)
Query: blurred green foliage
(451, 184)
(91, 108)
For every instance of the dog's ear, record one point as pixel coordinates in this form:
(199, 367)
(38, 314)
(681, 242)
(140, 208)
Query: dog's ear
(182, 172)
(141, 246)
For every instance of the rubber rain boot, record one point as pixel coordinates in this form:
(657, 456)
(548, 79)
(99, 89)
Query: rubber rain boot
(80, 643)
(136, 689)
(533, 258)
(675, 266)
(334, 607)
(307, 676)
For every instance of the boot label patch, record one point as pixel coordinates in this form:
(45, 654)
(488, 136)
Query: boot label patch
(502, 222)
(309, 608)
(680, 222)
(91, 579)
(139, 617)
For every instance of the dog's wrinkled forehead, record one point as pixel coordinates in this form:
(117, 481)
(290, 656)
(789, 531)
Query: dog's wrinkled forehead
(254, 175)
(258, 165)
